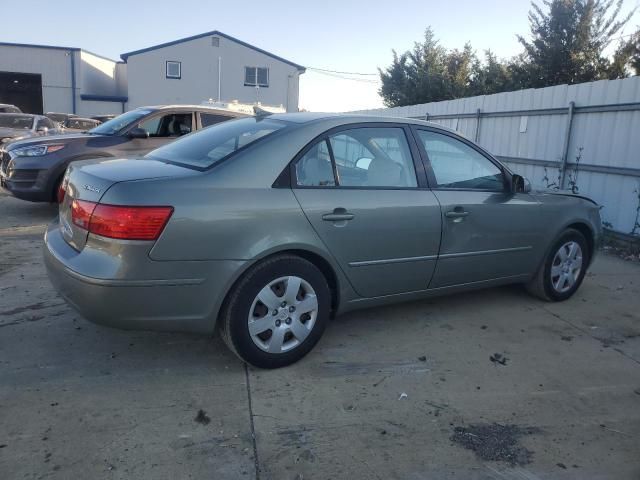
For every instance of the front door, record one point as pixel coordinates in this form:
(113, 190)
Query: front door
(161, 128)
(488, 232)
(359, 189)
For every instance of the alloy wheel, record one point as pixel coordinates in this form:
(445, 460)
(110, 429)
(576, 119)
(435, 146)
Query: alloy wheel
(566, 267)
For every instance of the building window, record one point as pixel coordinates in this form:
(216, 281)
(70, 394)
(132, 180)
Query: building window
(215, 41)
(174, 69)
(256, 76)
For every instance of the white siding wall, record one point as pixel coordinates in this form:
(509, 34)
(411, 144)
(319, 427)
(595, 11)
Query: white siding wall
(148, 85)
(97, 75)
(55, 67)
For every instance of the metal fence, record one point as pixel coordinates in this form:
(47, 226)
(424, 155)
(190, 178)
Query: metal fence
(584, 137)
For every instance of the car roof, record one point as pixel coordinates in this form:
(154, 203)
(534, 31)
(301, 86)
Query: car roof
(28, 115)
(347, 118)
(84, 118)
(192, 107)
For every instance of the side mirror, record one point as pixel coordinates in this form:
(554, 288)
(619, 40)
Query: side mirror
(519, 184)
(138, 133)
(43, 130)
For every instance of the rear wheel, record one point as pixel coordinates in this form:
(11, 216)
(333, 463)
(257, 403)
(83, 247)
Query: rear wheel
(55, 194)
(564, 268)
(277, 312)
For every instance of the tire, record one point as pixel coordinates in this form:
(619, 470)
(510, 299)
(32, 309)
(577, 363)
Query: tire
(282, 329)
(56, 187)
(549, 284)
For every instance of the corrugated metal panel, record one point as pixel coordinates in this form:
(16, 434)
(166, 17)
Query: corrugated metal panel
(602, 139)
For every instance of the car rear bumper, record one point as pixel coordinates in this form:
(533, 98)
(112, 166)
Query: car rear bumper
(182, 304)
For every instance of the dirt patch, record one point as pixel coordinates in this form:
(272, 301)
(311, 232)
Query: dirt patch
(498, 359)
(495, 442)
(202, 418)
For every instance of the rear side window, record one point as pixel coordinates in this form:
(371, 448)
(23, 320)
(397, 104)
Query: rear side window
(207, 147)
(208, 119)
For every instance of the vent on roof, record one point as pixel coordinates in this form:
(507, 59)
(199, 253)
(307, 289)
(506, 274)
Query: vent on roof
(215, 41)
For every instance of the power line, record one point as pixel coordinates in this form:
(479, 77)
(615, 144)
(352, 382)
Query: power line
(342, 73)
(353, 79)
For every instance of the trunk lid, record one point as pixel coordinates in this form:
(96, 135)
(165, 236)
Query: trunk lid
(89, 180)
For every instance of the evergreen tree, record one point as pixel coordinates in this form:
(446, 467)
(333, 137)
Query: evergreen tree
(568, 41)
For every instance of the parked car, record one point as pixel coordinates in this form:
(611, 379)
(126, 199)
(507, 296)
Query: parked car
(7, 108)
(268, 226)
(103, 118)
(33, 169)
(60, 118)
(14, 126)
(79, 124)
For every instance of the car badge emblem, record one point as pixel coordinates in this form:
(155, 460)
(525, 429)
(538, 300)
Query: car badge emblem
(91, 188)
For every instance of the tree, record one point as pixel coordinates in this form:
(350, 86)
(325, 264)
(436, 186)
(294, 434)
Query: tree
(492, 76)
(567, 46)
(427, 73)
(568, 42)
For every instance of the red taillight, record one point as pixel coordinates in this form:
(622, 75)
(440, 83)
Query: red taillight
(81, 211)
(125, 223)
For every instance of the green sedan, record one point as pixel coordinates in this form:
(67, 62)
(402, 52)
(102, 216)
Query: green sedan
(266, 227)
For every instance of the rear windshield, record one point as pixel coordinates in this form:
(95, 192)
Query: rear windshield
(16, 121)
(116, 124)
(207, 147)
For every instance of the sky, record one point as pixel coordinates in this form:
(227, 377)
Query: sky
(345, 36)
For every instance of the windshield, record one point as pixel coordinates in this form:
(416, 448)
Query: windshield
(16, 121)
(207, 147)
(116, 124)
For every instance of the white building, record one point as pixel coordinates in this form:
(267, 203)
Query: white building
(212, 65)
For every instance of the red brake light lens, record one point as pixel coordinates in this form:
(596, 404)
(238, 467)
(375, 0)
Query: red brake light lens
(81, 213)
(129, 223)
(120, 222)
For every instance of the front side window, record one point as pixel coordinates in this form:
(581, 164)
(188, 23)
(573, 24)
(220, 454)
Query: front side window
(256, 76)
(171, 125)
(209, 146)
(174, 69)
(457, 165)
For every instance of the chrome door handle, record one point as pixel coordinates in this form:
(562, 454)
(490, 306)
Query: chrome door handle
(456, 214)
(338, 215)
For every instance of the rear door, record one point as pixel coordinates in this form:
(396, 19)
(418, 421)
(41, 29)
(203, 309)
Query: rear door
(487, 232)
(363, 189)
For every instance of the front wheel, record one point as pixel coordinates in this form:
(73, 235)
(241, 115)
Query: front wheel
(277, 312)
(564, 268)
